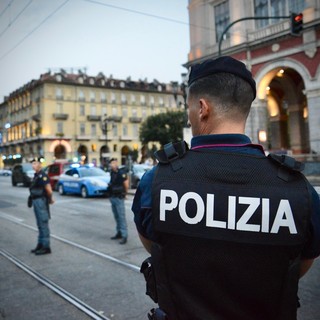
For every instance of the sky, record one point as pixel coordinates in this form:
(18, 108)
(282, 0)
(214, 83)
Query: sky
(123, 38)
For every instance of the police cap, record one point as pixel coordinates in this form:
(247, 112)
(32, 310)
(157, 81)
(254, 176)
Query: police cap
(37, 159)
(222, 64)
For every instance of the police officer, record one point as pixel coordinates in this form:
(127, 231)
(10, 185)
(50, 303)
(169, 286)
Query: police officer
(230, 231)
(41, 197)
(119, 185)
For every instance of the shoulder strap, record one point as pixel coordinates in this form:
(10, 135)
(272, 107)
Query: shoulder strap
(171, 153)
(287, 164)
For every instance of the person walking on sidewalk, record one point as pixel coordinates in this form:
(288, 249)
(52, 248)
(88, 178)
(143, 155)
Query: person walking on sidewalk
(40, 197)
(118, 187)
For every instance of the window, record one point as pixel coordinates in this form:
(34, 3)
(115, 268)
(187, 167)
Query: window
(151, 100)
(222, 19)
(82, 110)
(161, 102)
(135, 130)
(133, 99)
(113, 97)
(115, 130)
(124, 112)
(81, 95)
(82, 128)
(59, 127)
(93, 110)
(124, 130)
(59, 94)
(144, 112)
(134, 112)
(59, 108)
(142, 100)
(123, 98)
(93, 129)
(114, 111)
(103, 97)
(104, 111)
(296, 6)
(92, 96)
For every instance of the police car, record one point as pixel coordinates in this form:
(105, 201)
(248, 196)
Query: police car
(87, 181)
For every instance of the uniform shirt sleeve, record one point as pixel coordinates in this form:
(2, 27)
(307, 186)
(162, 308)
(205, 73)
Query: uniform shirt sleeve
(43, 179)
(312, 247)
(142, 206)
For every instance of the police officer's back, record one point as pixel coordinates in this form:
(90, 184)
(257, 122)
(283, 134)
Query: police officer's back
(230, 231)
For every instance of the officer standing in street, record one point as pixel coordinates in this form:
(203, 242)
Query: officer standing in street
(119, 185)
(40, 198)
(230, 230)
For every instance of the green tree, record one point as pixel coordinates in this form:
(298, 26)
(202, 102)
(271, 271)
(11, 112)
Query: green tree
(163, 128)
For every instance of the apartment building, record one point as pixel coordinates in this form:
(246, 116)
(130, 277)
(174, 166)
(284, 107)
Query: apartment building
(81, 118)
(285, 116)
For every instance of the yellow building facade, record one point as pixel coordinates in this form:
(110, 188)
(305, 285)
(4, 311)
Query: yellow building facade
(81, 118)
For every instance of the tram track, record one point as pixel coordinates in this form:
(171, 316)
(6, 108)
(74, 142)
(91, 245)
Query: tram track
(74, 244)
(67, 296)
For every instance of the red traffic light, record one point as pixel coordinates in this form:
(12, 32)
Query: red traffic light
(296, 21)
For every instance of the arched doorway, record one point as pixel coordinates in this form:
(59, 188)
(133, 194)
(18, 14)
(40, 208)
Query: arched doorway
(125, 151)
(60, 152)
(83, 154)
(104, 157)
(287, 113)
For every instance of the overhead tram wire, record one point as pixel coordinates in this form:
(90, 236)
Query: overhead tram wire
(5, 9)
(14, 20)
(96, 2)
(33, 30)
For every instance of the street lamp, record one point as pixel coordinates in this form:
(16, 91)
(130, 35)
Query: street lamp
(104, 128)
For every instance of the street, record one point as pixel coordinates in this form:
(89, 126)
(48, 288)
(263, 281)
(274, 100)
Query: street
(87, 275)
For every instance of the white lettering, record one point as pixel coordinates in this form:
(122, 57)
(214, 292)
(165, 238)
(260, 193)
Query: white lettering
(232, 213)
(210, 221)
(242, 223)
(167, 206)
(284, 218)
(183, 204)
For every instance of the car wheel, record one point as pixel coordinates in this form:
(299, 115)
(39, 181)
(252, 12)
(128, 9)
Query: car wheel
(14, 183)
(84, 192)
(61, 189)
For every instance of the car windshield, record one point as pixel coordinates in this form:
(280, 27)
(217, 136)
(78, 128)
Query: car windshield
(92, 172)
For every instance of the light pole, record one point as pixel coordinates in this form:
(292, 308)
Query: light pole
(104, 129)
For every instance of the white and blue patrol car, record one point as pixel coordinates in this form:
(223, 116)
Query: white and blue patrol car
(87, 181)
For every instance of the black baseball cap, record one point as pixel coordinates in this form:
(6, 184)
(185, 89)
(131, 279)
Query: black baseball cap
(222, 64)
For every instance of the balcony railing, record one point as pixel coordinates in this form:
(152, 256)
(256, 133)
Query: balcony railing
(135, 119)
(93, 118)
(60, 116)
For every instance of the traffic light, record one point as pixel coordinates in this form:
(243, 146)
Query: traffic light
(296, 21)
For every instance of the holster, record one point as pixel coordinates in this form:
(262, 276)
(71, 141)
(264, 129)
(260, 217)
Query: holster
(148, 272)
(29, 201)
(157, 314)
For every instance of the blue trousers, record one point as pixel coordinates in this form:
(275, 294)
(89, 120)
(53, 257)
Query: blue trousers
(42, 217)
(119, 214)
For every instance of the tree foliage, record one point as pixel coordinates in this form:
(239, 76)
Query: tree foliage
(163, 128)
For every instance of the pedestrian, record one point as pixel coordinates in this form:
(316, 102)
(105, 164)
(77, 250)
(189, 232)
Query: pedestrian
(118, 188)
(40, 198)
(230, 230)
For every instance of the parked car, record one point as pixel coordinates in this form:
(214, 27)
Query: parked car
(5, 172)
(138, 170)
(86, 181)
(54, 171)
(22, 173)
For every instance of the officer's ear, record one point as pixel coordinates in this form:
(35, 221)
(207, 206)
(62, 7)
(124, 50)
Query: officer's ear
(204, 109)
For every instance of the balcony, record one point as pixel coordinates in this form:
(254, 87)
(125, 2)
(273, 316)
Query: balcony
(36, 117)
(60, 116)
(93, 118)
(126, 138)
(135, 119)
(115, 118)
(80, 137)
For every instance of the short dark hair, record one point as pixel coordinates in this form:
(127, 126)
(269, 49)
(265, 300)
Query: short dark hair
(113, 159)
(230, 93)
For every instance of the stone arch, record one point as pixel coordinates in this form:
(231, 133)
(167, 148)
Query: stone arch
(281, 106)
(83, 154)
(125, 151)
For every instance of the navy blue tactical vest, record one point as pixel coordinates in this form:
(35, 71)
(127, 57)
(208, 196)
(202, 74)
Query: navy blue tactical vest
(230, 230)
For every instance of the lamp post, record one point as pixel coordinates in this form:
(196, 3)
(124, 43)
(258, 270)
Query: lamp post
(104, 129)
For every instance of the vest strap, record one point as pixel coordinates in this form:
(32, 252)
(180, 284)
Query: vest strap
(171, 153)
